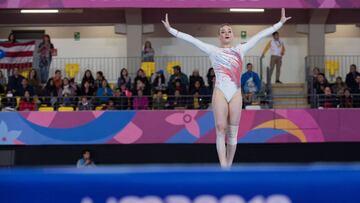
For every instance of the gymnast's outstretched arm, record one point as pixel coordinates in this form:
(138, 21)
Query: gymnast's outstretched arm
(207, 48)
(255, 39)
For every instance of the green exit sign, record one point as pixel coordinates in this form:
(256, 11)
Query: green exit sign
(243, 34)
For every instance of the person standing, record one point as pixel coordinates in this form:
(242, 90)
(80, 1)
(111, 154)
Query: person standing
(46, 50)
(277, 51)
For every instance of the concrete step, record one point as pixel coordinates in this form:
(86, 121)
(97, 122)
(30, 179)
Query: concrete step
(288, 85)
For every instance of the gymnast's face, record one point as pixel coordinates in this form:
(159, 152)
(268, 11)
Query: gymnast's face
(226, 35)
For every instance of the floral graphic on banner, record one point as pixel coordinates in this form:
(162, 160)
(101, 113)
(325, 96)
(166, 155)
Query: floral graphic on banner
(8, 137)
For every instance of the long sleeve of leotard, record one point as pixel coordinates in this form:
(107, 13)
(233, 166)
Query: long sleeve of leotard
(255, 39)
(207, 48)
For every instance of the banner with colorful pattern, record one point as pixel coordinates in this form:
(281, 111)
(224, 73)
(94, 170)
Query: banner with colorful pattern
(189, 126)
(179, 3)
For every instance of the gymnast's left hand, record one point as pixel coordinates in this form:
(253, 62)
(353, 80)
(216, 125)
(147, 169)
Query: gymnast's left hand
(283, 16)
(166, 22)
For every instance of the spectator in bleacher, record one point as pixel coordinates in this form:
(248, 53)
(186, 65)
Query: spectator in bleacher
(179, 87)
(25, 87)
(85, 104)
(34, 81)
(104, 92)
(159, 102)
(67, 88)
(200, 88)
(27, 103)
(57, 79)
(321, 83)
(45, 51)
(15, 81)
(99, 78)
(140, 101)
(123, 96)
(315, 73)
(193, 78)
(328, 100)
(148, 52)
(88, 77)
(87, 90)
(250, 81)
(211, 78)
(339, 86)
(351, 78)
(141, 76)
(178, 76)
(50, 93)
(346, 101)
(110, 105)
(3, 80)
(8, 103)
(124, 78)
(159, 81)
(177, 101)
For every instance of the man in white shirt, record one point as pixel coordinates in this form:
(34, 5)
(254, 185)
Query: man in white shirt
(277, 50)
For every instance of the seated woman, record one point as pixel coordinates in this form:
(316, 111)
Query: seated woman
(328, 100)
(158, 100)
(104, 92)
(140, 102)
(27, 103)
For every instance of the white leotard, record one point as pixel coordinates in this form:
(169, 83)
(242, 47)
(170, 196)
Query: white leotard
(227, 62)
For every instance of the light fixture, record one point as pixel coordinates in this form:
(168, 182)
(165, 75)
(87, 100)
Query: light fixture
(247, 10)
(40, 11)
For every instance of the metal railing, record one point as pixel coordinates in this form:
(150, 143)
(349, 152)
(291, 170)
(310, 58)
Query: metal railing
(153, 102)
(111, 66)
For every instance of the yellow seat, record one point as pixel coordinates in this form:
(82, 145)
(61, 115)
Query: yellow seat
(65, 109)
(46, 109)
(99, 108)
(18, 101)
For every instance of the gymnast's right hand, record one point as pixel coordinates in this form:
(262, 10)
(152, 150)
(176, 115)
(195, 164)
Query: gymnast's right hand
(166, 22)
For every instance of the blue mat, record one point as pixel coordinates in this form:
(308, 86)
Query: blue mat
(184, 184)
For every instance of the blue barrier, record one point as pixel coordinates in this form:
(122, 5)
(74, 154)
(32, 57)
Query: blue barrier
(183, 184)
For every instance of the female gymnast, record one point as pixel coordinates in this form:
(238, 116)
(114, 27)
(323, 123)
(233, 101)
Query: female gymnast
(227, 62)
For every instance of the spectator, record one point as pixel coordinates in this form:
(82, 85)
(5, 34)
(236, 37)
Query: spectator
(250, 81)
(178, 87)
(339, 86)
(197, 102)
(193, 78)
(321, 84)
(8, 102)
(178, 75)
(27, 103)
(146, 85)
(57, 79)
(88, 77)
(211, 78)
(3, 80)
(86, 161)
(346, 101)
(177, 101)
(99, 78)
(87, 90)
(12, 40)
(25, 87)
(356, 88)
(315, 73)
(85, 104)
(125, 97)
(34, 81)
(351, 78)
(328, 100)
(46, 51)
(124, 78)
(110, 106)
(68, 89)
(104, 92)
(140, 102)
(159, 81)
(15, 81)
(158, 100)
(148, 52)
(199, 88)
(50, 93)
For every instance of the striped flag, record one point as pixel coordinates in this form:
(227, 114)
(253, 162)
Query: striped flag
(17, 55)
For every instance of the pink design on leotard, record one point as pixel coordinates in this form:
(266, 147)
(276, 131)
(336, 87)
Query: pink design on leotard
(233, 72)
